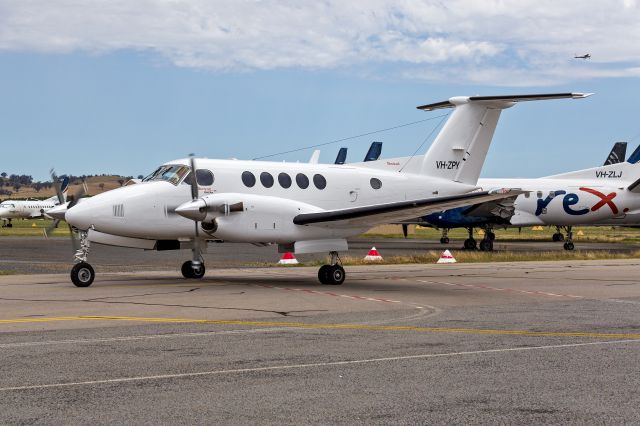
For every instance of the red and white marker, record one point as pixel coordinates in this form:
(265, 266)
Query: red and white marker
(373, 255)
(288, 259)
(446, 257)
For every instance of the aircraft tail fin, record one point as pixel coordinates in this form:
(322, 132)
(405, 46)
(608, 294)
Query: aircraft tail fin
(341, 158)
(374, 152)
(64, 187)
(459, 151)
(617, 154)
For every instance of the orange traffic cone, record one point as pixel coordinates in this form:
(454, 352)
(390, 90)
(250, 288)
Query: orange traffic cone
(373, 255)
(446, 257)
(288, 259)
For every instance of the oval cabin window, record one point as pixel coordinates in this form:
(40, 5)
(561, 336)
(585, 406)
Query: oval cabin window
(248, 179)
(266, 179)
(302, 181)
(284, 180)
(204, 177)
(375, 183)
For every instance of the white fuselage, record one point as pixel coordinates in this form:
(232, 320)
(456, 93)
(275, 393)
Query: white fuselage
(568, 202)
(25, 209)
(147, 210)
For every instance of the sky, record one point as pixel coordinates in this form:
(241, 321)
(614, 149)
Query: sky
(121, 86)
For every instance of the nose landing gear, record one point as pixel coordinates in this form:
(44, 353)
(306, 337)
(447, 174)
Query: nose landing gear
(82, 273)
(332, 274)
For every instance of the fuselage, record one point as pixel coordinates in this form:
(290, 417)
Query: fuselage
(24, 209)
(272, 194)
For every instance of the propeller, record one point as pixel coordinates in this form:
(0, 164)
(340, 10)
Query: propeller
(61, 200)
(196, 262)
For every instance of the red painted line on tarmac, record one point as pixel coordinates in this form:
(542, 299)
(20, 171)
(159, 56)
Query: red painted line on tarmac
(486, 287)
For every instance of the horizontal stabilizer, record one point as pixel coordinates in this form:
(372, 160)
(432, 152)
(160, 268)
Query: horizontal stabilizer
(452, 102)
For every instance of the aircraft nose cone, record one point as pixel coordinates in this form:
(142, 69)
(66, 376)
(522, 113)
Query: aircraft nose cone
(79, 216)
(58, 212)
(194, 210)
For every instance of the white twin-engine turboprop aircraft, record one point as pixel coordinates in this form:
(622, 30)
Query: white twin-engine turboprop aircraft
(302, 207)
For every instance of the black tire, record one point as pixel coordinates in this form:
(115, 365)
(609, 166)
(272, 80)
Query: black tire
(444, 240)
(470, 244)
(568, 245)
(558, 237)
(82, 274)
(188, 271)
(9, 225)
(323, 274)
(336, 275)
(491, 236)
(486, 245)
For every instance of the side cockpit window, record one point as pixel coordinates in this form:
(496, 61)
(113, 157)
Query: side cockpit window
(173, 174)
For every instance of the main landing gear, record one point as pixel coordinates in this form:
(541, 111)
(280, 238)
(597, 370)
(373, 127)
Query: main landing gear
(445, 236)
(568, 245)
(486, 244)
(82, 273)
(8, 224)
(189, 270)
(558, 236)
(332, 274)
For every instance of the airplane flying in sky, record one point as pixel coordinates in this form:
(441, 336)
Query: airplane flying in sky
(30, 209)
(585, 56)
(301, 207)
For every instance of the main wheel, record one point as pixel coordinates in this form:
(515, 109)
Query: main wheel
(188, 271)
(323, 274)
(568, 245)
(82, 274)
(9, 225)
(491, 236)
(336, 275)
(444, 240)
(558, 237)
(470, 244)
(486, 245)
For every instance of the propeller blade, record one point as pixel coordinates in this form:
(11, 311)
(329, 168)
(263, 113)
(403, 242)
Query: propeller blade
(78, 194)
(193, 180)
(56, 185)
(50, 228)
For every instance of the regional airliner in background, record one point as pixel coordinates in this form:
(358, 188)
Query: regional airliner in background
(301, 207)
(30, 209)
(601, 195)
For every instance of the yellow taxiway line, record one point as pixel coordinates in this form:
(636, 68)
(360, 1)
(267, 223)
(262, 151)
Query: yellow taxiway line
(330, 326)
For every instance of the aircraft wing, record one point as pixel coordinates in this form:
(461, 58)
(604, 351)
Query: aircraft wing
(400, 210)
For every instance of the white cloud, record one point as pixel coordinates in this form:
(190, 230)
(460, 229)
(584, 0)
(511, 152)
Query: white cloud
(490, 42)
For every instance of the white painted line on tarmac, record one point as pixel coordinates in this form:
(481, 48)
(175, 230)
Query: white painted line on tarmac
(310, 365)
(139, 337)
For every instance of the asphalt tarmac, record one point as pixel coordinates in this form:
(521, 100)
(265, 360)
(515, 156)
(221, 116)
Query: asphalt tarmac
(547, 342)
(36, 255)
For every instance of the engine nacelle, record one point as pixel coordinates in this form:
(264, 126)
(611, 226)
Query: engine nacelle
(248, 217)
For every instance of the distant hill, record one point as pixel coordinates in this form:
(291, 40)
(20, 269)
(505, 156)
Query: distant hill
(95, 185)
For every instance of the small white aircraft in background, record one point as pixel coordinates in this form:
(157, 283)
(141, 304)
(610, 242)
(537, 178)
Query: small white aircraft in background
(31, 209)
(301, 207)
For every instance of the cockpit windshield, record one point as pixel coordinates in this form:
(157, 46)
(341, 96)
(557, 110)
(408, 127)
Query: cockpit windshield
(7, 206)
(170, 173)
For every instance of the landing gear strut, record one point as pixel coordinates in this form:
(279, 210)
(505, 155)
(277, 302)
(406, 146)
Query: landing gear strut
(194, 268)
(332, 274)
(568, 245)
(558, 235)
(82, 273)
(487, 242)
(445, 236)
(470, 243)
(8, 224)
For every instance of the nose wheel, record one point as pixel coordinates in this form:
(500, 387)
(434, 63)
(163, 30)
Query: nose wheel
(82, 274)
(190, 271)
